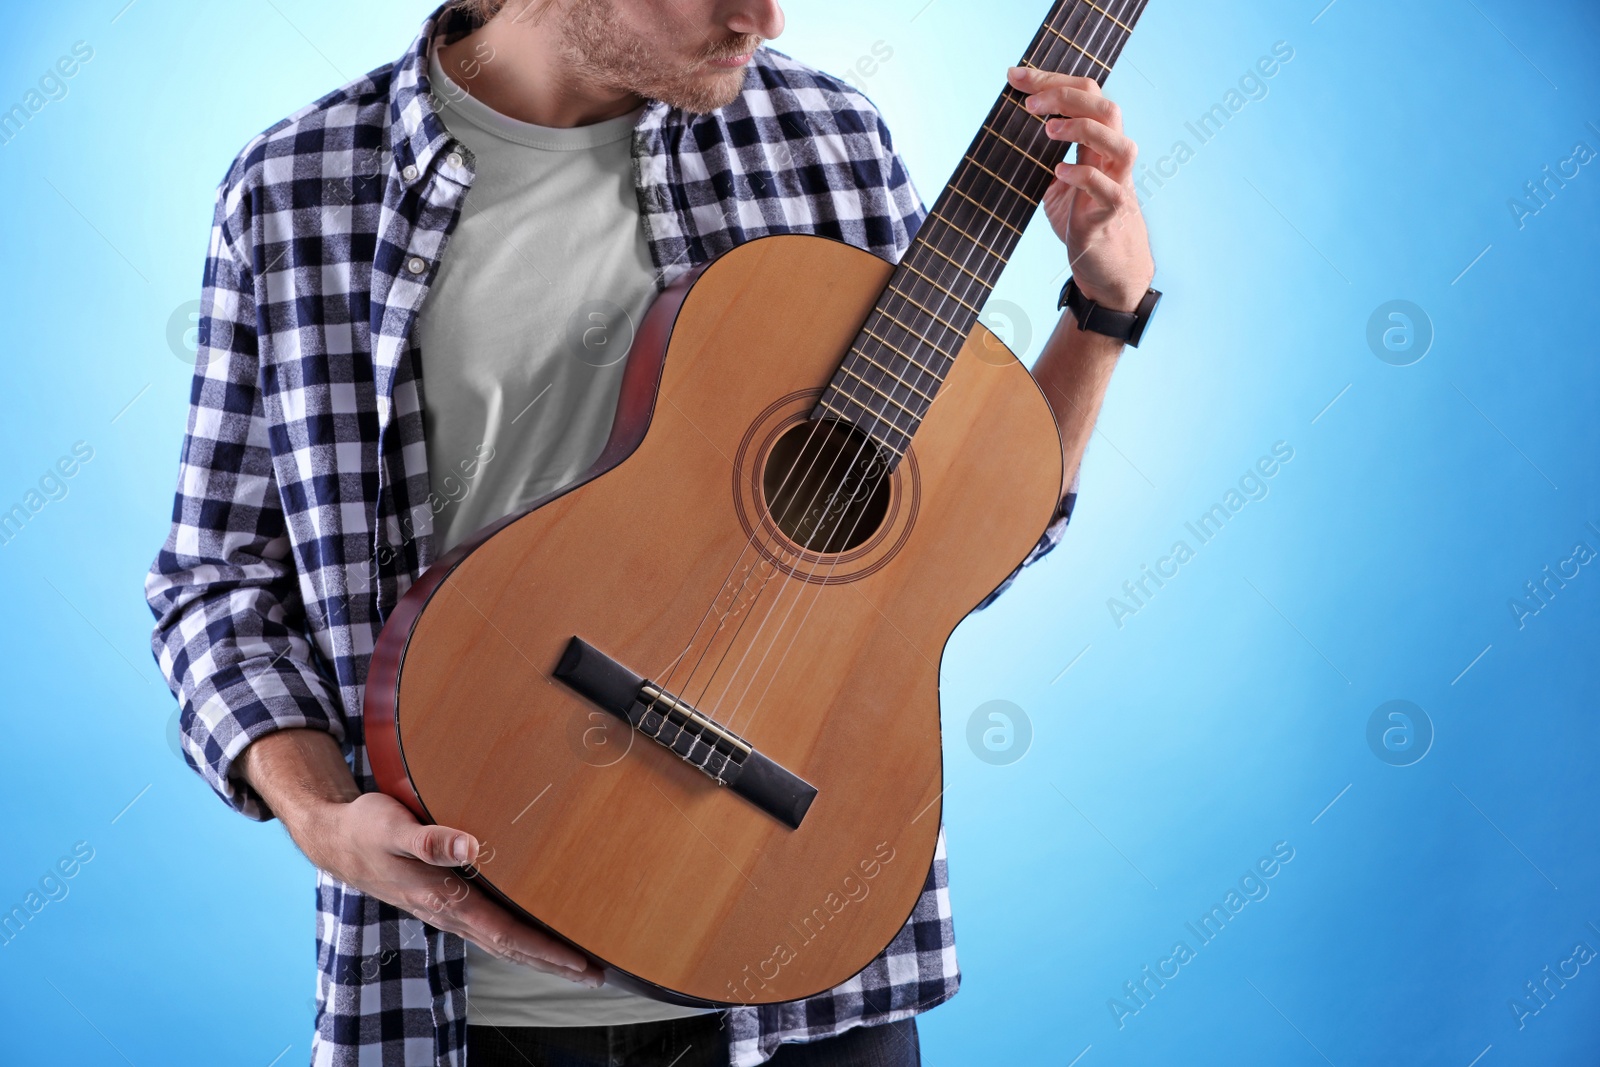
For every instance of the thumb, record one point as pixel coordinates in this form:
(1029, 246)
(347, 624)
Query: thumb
(438, 845)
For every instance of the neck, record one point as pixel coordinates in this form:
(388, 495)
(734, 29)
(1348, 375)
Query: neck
(515, 63)
(888, 380)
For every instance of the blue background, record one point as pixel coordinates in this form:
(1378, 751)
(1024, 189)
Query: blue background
(1167, 754)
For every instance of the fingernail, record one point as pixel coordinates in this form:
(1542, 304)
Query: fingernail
(1032, 103)
(459, 850)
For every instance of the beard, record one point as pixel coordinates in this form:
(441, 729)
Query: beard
(602, 48)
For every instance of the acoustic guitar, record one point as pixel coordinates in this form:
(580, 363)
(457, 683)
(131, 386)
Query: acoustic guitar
(690, 703)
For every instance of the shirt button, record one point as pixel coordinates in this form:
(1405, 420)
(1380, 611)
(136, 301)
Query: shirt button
(416, 264)
(454, 159)
(409, 174)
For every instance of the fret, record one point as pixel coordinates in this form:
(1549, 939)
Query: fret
(1017, 101)
(884, 312)
(959, 252)
(824, 402)
(842, 390)
(1076, 45)
(888, 371)
(1031, 141)
(979, 245)
(1081, 31)
(954, 242)
(1125, 27)
(909, 411)
(1029, 156)
(856, 420)
(952, 188)
(1109, 55)
(930, 246)
(868, 411)
(996, 151)
(963, 219)
(931, 314)
(935, 283)
(996, 177)
(1120, 40)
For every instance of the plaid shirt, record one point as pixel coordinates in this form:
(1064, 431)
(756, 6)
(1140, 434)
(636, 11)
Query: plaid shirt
(303, 508)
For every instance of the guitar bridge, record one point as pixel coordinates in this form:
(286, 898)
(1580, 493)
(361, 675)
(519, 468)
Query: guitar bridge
(690, 734)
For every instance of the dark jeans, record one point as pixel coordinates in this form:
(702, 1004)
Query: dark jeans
(695, 1041)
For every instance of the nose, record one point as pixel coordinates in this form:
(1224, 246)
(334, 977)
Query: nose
(764, 18)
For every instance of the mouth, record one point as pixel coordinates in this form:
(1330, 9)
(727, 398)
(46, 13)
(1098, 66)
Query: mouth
(730, 62)
(722, 56)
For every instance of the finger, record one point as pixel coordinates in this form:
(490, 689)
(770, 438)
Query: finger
(494, 930)
(1115, 150)
(1075, 103)
(1032, 79)
(1096, 183)
(448, 901)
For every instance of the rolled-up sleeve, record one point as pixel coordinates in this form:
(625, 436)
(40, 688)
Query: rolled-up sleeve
(230, 633)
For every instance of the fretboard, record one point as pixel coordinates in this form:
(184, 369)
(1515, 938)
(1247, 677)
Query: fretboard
(909, 342)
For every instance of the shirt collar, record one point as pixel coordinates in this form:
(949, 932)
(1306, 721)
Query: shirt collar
(416, 131)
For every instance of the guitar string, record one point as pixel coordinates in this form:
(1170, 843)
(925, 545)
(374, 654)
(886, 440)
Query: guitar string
(1003, 115)
(1000, 126)
(1125, 12)
(1002, 118)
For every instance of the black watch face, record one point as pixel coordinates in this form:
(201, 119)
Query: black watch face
(1141, 317)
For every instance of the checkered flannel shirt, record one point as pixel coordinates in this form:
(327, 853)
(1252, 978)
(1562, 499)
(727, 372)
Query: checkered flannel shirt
(303, 510)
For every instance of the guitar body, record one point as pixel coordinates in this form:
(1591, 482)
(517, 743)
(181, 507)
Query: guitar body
(666, 559)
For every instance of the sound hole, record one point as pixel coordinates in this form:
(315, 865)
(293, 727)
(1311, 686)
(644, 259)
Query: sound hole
(826, 485)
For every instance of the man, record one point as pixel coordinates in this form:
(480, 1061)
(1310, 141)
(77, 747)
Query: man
(416, 297)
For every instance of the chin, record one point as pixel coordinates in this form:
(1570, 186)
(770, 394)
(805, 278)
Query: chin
(706, 92)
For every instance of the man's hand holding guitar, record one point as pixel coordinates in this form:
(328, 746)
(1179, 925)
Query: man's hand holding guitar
(1092, 204)
(1093, 208)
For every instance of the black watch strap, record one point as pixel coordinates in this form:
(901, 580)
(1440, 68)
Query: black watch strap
(1127, 326)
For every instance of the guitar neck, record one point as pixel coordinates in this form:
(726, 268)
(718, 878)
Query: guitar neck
(909, 342)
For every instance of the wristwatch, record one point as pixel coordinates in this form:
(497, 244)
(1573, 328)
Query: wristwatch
(1125, 326)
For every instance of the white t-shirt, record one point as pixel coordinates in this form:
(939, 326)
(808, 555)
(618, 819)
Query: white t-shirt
(522, 340)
